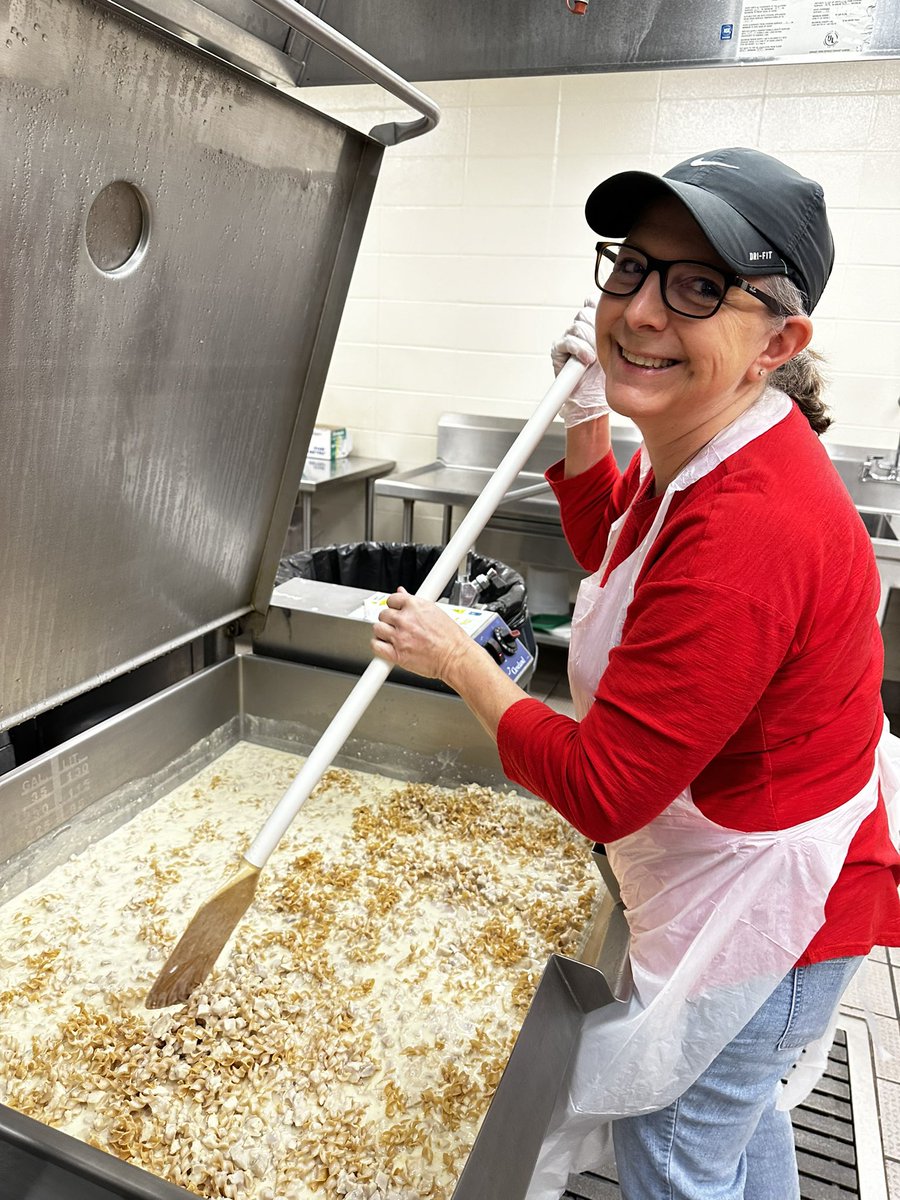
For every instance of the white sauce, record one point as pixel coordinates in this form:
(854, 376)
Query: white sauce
(352, 1033)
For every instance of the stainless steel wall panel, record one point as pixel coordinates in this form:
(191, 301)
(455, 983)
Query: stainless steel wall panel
(471, 39)
(406, 733)
(341, 271)
(63, 801)
(252, 18)
(154, 418)
(250, 44)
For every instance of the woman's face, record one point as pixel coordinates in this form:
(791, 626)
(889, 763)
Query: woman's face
(673, 372)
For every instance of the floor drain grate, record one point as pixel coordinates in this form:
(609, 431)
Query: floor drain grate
(839, 1150)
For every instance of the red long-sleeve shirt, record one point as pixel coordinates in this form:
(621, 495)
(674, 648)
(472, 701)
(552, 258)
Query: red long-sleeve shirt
(749, 668)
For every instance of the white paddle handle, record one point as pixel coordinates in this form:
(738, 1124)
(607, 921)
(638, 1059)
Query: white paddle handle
(345, 719)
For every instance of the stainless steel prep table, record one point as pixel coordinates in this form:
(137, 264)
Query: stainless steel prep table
(322, 474)
(525, 530)
(469, 447)
(526, 527)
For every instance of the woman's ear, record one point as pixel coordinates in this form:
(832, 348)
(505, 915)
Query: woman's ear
(787, 343)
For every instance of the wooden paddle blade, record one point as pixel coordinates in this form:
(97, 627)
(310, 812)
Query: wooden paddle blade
(204, 939)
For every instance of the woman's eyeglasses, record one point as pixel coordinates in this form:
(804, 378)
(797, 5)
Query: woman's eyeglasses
(691, 289)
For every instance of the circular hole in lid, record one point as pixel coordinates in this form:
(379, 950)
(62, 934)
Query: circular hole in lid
(117, 228)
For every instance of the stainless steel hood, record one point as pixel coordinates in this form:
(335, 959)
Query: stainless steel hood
(471, 39)
(178, 242)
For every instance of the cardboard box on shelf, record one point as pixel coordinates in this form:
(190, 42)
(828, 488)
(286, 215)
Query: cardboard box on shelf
(329, 442)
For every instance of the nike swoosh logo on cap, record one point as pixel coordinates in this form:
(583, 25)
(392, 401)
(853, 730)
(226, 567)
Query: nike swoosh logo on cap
(711, 162)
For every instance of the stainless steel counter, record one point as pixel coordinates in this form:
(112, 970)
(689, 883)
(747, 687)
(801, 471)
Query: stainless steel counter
(527, 527)
(469, 447)
(326, 474)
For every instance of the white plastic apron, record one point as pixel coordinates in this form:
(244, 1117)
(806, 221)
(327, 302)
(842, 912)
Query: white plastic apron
(717, 916)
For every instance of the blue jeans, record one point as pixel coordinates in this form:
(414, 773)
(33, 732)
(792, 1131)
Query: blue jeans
(723, 1138)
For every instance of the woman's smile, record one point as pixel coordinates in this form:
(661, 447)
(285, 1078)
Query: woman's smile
(645, 360)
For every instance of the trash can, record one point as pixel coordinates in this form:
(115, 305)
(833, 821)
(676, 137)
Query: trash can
(385, 566)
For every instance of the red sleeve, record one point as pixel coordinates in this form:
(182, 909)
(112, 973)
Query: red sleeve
(694, 660)
(588, 505)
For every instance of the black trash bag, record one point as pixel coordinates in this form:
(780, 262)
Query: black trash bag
(385, 566)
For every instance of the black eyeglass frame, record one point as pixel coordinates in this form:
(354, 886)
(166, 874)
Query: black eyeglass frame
(662, 265)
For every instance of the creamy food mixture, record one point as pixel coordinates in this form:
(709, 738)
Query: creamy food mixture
(351, 1036)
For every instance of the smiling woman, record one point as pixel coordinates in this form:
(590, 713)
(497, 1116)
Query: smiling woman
(682, 380)
(725, 667)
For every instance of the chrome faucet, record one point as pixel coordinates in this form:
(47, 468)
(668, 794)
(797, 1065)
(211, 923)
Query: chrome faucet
(874, 471)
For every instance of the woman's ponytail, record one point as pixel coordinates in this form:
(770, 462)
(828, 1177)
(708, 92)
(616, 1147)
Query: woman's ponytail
(800, 377)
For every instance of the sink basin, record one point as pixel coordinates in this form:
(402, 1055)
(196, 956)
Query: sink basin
(877, 501)
(879, 525)
(878, 504)
(871, 493)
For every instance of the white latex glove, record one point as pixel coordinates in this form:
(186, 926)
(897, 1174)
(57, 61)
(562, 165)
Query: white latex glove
(588, 400)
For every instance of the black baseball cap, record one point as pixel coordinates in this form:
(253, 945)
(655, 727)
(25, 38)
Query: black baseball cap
(760, 215)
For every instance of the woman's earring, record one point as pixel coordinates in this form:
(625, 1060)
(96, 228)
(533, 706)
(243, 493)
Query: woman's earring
(762, 370)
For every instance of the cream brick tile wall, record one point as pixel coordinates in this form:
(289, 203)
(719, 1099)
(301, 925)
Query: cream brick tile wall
(476, 252)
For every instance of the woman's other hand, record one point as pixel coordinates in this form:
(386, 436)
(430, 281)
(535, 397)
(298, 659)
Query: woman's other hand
(588, 400)
(419, 636)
